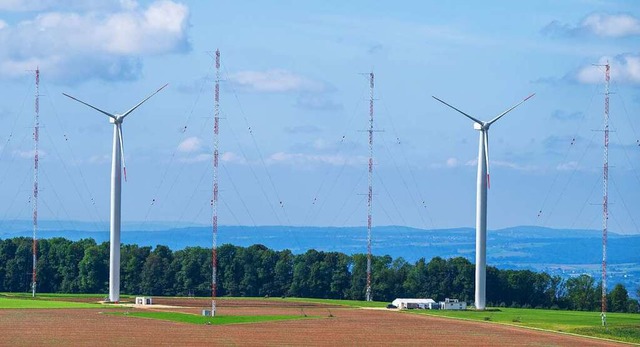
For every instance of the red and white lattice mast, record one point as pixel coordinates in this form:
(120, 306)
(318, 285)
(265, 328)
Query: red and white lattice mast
(605, 199)
(36, 134)
(370, 194)
(216, 129)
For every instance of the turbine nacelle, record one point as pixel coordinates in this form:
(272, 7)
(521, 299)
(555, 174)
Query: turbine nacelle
(117, 120)
(480, 127)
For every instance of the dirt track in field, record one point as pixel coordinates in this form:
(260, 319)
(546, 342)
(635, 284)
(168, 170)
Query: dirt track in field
(90, 327)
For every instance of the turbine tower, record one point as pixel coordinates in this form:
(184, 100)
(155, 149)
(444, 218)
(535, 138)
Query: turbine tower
(483, 182)
(116, 181)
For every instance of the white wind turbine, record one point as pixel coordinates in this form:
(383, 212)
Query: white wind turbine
(116, 181)
(481, 201)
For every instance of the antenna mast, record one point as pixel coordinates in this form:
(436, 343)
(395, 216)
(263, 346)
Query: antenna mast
(36, 131)
(214, 249)
(605, 200)
(370, 195)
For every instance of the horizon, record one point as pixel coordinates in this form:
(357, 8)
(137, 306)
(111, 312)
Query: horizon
(144, 226)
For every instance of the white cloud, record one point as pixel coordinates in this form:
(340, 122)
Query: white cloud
(42, 5)
(322, 144)
(230, 157)
(28, 154)
(597, 24)
(274, 81)
(190, 145)
(299, 159)
(625, 68)
(568, 166)
(512, 165)
(3, 24)
(502, 163)
(615, 25)
(452, 162)
(100, 159)
(109, 45)
(317, 102)
(198, 158)
(472, 162)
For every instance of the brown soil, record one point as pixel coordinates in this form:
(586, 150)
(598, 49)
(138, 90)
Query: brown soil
(90, 327)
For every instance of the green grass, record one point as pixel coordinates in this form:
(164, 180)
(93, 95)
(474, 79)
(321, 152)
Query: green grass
(8, 302)
(620, 326)
(349, 303)
(59, 295)
(346, 303)
(217, 320)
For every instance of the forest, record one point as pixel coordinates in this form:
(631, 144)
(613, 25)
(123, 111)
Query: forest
(65, 266)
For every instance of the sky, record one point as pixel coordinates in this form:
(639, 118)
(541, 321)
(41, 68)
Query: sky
(294, 108)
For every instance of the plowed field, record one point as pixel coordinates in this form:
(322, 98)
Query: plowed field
(338, 326)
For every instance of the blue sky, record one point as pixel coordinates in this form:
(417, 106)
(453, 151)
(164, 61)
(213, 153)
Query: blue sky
(294, 107)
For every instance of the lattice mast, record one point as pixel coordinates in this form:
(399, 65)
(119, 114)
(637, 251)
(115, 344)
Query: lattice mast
(605, 191)
(370, 194)
(36, 135)
(216, 129)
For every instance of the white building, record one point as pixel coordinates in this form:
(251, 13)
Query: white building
(413, 303)
(452, 304)
(143, 300)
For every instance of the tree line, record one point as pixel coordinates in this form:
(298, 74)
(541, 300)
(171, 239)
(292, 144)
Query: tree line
(82, 266)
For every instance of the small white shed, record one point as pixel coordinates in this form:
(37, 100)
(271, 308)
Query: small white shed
(453, 304)
(144, 300)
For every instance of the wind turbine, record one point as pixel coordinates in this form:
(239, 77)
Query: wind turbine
(483, 182)
(117, 161)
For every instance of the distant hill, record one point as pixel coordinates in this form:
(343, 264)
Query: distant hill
(558, 251)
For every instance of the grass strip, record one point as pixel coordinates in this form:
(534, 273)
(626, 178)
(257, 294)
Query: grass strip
(620, 326)
(36, 303)
(217, 320)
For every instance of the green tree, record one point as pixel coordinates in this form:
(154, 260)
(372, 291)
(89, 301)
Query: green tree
(633, 306)
(18, 267)
(157, 273)
(582, 293)
(283, 272)
(193, 275)
(340, 277)
(357, 287)
(462, 279)
(93, 270)
(68, 268)
(415, 284)
(383, 278)
(229, 271)
(437, 281)
(618, 299)
(7, 253)
(133, 259)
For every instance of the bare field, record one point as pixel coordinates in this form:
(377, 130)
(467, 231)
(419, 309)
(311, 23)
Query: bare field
(347, 326)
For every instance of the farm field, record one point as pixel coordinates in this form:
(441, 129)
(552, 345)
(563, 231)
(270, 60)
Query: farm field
(8, 302)
(327, 323)
(620, 326)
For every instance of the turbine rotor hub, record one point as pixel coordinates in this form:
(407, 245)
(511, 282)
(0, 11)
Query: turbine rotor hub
(480, 126)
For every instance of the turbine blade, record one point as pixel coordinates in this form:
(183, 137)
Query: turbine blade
(466, 115)
(142, 102)
(485, 135)
(509, 110)
(124, 167)
(93, 107)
